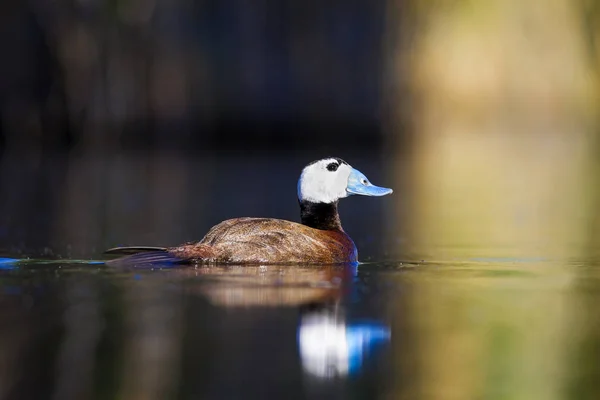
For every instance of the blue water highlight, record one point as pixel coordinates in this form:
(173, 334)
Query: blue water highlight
(8, 263)
(12, 263)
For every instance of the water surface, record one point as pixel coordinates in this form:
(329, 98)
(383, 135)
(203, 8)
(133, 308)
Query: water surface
(463, 328)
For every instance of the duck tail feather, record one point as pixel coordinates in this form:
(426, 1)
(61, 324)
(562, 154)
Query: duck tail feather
(133, 250)
(146, 259)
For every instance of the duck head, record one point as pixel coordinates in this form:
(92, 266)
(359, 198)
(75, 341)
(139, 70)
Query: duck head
(330, 179)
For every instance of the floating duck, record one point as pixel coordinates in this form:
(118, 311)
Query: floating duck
(318, 239)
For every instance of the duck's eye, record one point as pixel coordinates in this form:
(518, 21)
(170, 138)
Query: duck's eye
(363, 181)
(333, 166)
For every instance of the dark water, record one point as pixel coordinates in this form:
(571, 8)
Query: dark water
(471, 328)
(83, 331)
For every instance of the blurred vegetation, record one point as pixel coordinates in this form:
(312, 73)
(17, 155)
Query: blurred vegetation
(175, 72)
(505, 124)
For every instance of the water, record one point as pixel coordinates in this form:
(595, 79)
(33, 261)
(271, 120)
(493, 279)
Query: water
(508, 328)
(78, 330)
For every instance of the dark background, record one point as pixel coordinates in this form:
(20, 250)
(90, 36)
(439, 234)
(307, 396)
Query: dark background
(128, 123)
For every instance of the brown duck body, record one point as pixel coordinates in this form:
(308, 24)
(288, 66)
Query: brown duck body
(265, 241)
(319, 239)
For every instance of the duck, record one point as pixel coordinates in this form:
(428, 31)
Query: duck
(318, 239)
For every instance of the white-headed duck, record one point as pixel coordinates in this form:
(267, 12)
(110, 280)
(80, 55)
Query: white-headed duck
(318, 239)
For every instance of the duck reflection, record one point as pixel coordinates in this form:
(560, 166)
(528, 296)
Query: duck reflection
(272, 286)
(330, 346)
(328, 343)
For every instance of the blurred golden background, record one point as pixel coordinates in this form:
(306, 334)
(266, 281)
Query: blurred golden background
(504, 112)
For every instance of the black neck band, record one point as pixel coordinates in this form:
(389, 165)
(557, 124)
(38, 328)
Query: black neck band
(320, 215)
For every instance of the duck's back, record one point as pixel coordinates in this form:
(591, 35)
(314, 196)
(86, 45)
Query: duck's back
(267, 240)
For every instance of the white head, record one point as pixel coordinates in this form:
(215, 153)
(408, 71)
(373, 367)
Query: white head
(330, 179)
